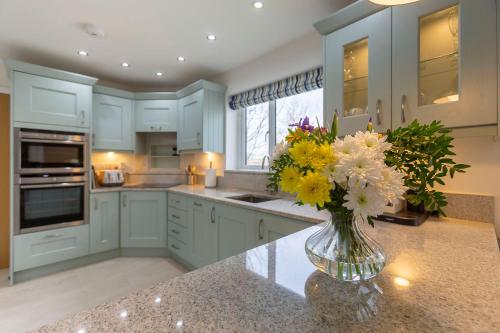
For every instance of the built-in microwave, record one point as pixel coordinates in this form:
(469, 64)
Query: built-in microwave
(49, 152)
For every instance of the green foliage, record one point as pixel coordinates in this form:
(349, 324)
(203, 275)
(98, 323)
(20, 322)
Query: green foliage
(423, 153)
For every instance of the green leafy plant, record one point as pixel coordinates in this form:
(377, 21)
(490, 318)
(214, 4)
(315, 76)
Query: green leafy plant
(423, 153)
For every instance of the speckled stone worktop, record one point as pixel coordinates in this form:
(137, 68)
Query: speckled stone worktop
(440, 277)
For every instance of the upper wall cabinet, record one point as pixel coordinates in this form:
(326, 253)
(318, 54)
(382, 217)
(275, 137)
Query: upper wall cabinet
(358, 74)
(445, 62)
(43, 100)
(201, 118)
(156, 116)
(113, 126)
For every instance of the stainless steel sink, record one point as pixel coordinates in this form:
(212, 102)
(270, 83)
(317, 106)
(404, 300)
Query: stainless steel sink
(252, 198)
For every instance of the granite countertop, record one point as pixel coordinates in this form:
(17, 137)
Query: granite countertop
(440, 277)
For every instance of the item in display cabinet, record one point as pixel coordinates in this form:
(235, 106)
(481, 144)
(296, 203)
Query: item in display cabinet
(111, 177)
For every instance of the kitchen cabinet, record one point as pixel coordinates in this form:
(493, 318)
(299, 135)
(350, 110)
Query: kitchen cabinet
(104, 221)
(202, 232)
(156, 116)
(273, 227)
(143, 219)
(237, 230)
(358, 74)
(113, 123)
(201, 121)
(48, 247)
(179, 230)
(444, 60)
(48, 101)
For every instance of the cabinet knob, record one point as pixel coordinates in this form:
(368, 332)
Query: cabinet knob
(403, 109)
(379, 112)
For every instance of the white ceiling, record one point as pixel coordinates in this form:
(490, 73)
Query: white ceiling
(150, 34)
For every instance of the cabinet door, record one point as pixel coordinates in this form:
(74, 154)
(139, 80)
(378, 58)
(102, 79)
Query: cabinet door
(104, 222)
(202, 233)
(358, 74)
(273, 227)
(191, 122)
(144, 219)
(236, 230)
(444, 62)
(156, 116)
(49, 101)
(113, 125)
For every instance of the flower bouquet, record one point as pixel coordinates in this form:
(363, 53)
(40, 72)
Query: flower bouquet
(349, 178)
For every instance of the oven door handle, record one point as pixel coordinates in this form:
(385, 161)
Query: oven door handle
(51, 185)
(63, 142)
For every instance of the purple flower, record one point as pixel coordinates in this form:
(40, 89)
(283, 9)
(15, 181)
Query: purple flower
(304, 125)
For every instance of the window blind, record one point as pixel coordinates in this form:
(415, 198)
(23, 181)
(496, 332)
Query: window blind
(293, 85)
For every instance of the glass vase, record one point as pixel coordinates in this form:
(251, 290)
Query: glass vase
(342, 250)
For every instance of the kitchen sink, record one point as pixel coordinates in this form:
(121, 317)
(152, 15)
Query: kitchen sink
(252, 198)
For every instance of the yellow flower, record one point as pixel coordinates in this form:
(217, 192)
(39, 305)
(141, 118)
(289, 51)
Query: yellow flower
(314, 189)
(303, 153)
(289, 179)
(324, 156)
(294, 136)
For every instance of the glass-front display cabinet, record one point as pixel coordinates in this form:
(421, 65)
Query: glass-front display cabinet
(444, 63)
(358, 74)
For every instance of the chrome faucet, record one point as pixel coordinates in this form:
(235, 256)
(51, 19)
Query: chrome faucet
(264, 161)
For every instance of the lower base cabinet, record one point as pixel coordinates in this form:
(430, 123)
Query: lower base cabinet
(104, 222)
(143, 219)
(273, 227)
(202, 232)
(48, 247)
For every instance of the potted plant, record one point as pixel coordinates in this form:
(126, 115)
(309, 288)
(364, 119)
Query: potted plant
(423, 154)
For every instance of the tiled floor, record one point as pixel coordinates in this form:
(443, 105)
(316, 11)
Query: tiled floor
(31, 304)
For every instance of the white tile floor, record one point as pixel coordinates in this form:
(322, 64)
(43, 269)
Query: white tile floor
(31, 304)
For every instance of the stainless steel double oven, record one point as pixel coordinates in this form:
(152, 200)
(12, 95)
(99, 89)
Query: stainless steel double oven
(50, 180)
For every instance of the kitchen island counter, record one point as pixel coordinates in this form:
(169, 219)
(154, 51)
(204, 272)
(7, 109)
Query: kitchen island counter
(439, 277)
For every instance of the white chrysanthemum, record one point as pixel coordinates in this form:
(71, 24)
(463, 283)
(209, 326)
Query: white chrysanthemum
(360, 169)
(372, 143)
(346, 147)
(392, 184)
(364, 201)
(280, 150)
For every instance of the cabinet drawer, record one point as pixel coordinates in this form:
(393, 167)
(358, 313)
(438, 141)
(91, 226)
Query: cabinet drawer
(177, 201)
(177, 231)
(178, 248)
(47, 247)
(178, 216)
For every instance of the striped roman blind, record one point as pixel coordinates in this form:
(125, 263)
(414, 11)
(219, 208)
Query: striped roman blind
(293, 85)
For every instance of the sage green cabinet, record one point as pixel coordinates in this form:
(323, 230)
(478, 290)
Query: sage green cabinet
(48, 247)
(104, 221)
(237, 230)
(47, 101)
(444, 63)
(273, 227)
(113, 123)
(358, 74)
(156, 116)
(201, 121)
(179, 227)
(202, 230)
(143, 219)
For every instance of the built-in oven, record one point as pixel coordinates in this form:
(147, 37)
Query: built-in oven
(40, 151)
(49, 201)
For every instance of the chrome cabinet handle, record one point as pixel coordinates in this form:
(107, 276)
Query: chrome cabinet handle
(175, 247)
(261, 235)
(82, 116)
(379, 112)
(175, 231)
(53, 236)
(124, 198)
(403, 109)
(175, 216)
(93, 139)
(197, 204)
(198, 135)
(96, 203)
(212, 215)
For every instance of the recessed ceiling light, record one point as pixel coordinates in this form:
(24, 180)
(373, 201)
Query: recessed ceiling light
(159, 74)
(83, 53)
(258, 4)
(181, 59)
(211, 37)
(125, 64)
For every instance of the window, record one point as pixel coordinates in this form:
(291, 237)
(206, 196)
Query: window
(265, 124)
